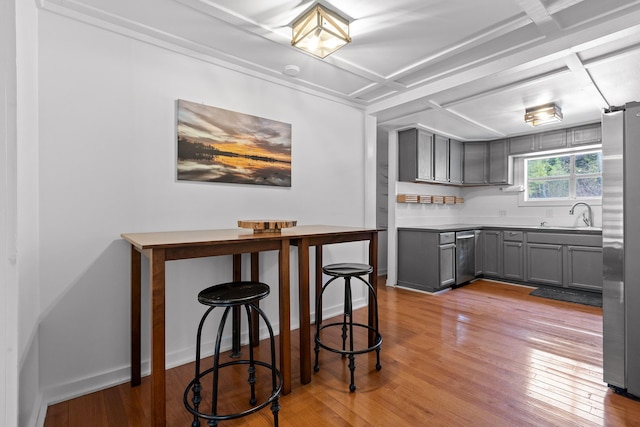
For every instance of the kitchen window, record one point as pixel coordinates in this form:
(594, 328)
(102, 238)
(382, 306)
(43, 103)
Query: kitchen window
(563, 177)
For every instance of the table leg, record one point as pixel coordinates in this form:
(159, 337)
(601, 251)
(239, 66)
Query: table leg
(373, 279)
(158, 379)
(136, 319)
(255, 319)
(285, 316)
(318, 280)
(235, 323)
(305, 312)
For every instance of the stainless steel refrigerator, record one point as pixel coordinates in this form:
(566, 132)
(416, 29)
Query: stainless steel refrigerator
(621, 247)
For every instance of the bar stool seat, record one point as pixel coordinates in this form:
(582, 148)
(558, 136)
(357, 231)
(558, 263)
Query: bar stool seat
(228, 296)
(347, 271)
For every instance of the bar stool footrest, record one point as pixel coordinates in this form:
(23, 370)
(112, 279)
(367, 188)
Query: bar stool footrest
(275, 394)
(376, 344)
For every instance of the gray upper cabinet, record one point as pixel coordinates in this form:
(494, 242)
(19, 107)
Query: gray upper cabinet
(487, 163)
(441, 159)
(456, 157)
(415, 155)
(522, 144)
(543, 141)
(556, 139)
(475, 163)
(499, 164)
(587, 134)
(552, 140)
(424, 157)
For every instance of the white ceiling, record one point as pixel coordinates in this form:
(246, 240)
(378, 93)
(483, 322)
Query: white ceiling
(463, 68)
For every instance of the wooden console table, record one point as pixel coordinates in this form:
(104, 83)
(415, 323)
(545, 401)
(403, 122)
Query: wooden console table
(160, 247)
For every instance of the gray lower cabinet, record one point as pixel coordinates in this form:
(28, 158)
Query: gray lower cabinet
(545, 264)
(513, 259)
(492, 253)
(584, 267)
(447, 257)
(479, 253)
(513, 255)
(426, 259)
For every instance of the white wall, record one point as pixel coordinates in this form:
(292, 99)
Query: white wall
(107, 155)
(9, 353)
(490, 205)
(26, 226)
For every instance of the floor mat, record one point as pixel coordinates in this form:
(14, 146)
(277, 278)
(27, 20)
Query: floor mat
(578, 297)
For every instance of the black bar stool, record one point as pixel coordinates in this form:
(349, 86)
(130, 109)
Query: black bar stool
(230, 295)
(347, 271)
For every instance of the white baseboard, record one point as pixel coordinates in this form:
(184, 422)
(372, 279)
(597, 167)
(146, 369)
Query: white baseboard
(90, 384)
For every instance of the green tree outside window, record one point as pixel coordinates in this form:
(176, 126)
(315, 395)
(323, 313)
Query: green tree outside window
(564, 177)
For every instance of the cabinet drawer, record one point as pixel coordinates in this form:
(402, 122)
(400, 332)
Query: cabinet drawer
(513, 236)
(566, 239)
(447, 238)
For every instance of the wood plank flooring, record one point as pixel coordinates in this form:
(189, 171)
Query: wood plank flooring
(485, 354)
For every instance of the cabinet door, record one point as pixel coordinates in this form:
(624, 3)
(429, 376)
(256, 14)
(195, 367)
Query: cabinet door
(544, 264)
(513, 260)
(475, 163)
(522, 144)
(415, 155)
(418, 264)
(447, 265)
(499, 162)
(456, 157)
(552, 140)
(585, 268)
(425, 156)
(479, 252)
(441, 158)
(492, 253)
(587, 134)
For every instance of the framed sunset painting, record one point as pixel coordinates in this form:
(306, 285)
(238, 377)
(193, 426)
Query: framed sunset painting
(218, 145)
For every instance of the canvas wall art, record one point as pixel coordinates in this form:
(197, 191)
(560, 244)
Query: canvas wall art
(218, 145)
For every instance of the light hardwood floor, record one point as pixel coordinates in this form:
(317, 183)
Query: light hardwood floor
(485, 354)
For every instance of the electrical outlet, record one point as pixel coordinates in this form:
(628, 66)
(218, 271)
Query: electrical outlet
(549, 213)
(502, 212)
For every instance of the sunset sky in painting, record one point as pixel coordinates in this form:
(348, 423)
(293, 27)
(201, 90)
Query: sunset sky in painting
(234, 132)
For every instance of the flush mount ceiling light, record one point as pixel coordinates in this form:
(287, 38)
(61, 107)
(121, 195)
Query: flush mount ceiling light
(320, 31)
(543, 114)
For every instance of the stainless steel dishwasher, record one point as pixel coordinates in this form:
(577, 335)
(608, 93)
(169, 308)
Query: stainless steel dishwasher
(465, 256)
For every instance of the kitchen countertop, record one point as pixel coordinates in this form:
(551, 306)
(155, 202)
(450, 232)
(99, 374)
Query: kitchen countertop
(537, 228)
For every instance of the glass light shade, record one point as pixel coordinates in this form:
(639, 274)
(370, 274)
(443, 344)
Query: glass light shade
(543, 114)
(320, 31)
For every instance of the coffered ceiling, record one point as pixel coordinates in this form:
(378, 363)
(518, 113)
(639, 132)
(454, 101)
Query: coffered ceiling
(463, 68)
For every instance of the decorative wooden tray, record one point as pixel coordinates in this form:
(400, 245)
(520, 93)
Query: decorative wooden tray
(266, 225)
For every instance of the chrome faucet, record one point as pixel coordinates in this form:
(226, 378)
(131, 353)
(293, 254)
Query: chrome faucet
(587, 220)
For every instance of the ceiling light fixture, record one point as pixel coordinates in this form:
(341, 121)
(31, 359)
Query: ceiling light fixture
(320, 31)
(543, 114)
